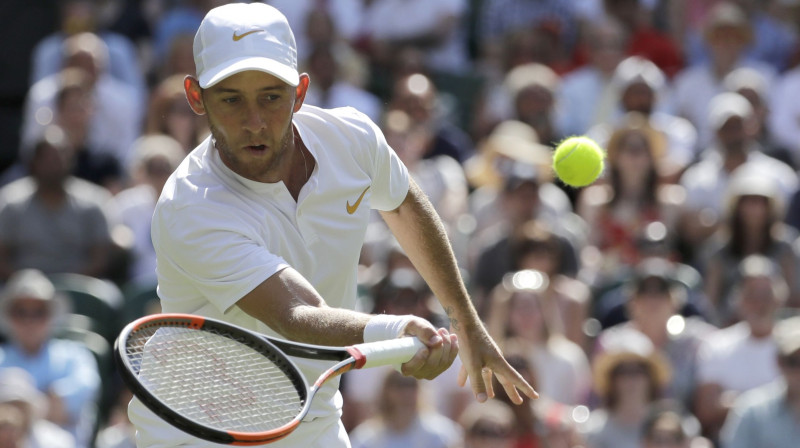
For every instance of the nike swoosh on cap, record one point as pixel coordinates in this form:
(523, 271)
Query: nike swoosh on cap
(239, 37)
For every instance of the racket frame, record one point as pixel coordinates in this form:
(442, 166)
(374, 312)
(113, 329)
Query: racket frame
(262, 344)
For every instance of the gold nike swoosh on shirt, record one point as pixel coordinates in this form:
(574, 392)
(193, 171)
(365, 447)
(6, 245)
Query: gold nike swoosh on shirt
(352, 208)
(237, 38)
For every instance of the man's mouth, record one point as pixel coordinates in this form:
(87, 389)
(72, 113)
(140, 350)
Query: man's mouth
(256, 148)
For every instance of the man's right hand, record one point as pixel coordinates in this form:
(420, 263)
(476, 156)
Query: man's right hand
(441, 349)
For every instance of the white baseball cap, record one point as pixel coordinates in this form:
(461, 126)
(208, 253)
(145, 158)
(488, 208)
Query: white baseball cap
(238, 37)
(727, 105)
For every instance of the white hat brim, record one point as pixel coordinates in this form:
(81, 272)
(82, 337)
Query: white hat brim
(216, 74)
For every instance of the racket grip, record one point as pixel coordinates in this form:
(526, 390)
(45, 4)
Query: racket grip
(389, 352)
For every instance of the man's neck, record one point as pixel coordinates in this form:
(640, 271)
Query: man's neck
(51, 196)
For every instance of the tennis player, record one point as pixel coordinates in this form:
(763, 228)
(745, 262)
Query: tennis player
(262, 224)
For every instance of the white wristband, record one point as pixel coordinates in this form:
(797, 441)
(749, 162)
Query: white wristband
(385, 326)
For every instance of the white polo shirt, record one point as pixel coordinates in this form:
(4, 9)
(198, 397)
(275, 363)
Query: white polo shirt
(218, 235)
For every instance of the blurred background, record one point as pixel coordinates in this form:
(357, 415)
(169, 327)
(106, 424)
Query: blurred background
(651, 309)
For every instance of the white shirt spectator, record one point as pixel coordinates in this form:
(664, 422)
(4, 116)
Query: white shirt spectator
(585, 98)
(115, 123)
(347, 16)
(734, 359)
(402, 19)
(123, 63)
(706, 182)
(693, 90)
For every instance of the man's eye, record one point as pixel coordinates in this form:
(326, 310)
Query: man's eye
(230, 100)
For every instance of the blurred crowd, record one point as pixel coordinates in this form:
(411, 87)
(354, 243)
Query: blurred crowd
(655, 308)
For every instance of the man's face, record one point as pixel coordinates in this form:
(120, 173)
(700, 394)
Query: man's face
(758, 302)
(638, 97)
(734, 135)
(250, 116)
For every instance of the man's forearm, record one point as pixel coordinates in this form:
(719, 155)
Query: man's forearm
(288, 304)
(420, 232)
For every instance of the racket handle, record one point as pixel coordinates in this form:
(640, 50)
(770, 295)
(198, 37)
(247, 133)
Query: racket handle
(389, 352)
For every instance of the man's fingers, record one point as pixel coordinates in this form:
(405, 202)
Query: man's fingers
(486, 374)
(415, 363)
(423, 331)
(453, 349)
(510, 389)
(462, 376)
(478, 386)
(510, 378)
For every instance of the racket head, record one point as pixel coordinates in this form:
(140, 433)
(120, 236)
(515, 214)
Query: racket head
(213, 380)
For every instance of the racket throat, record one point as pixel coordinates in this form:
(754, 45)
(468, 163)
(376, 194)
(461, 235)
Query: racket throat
(337, 369)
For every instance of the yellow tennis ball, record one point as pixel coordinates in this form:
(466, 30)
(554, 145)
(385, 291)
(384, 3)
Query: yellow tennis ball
(578, 161)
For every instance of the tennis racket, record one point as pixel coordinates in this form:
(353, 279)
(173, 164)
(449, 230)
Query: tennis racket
(225, 384)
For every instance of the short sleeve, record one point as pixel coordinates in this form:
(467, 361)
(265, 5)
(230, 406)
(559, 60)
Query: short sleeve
(390, 179)
(216, 254)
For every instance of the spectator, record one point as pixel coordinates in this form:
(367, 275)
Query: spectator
(629, 377)
(117, 117)
(82, 16)
(632, 198)
(169, 114)
(513, 150)
(668, 426)
(488, 425)
(51, 220)
(644, 39)
(767, 416)
(65, 371)
(179, 18)
(517, 316)
(526, 415)
(18, 391)
(401, 420)
(417, 96)
(155, 158)
(434, 28)
(565, 300)
(553, 21)
(527, 94)
(179, 59)
(74, 109)
(752, 85)
(587, 96)
(344, 18)
(642, 86)
(784, 119)
(732, 118)
(402, 291)
(519, 204)
(441, 177)
(774, 34)
(752, 225)
(327, 65)
(727, 33)
(726, 357)
(559, 428)
(655, 300)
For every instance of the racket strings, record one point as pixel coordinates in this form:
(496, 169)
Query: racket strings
(214, 380)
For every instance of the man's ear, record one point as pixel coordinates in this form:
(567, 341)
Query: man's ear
(194, 94)
(300, 92)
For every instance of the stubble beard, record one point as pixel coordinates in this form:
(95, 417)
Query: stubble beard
(253, 171)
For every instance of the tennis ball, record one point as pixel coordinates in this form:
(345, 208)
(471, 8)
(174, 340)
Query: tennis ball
(578, 161)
